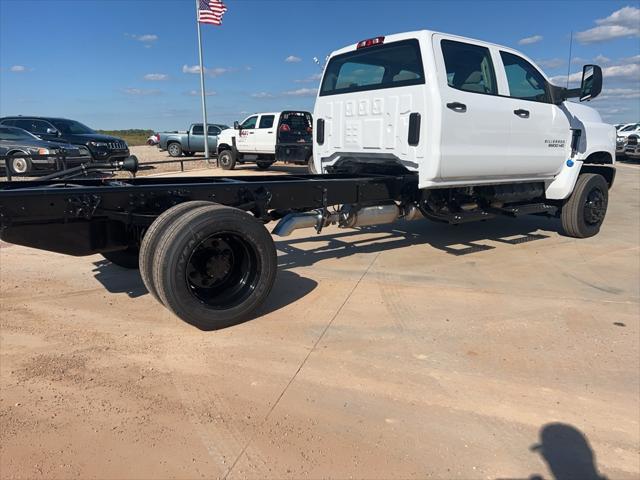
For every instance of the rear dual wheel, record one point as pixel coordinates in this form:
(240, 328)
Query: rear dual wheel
(211, 265)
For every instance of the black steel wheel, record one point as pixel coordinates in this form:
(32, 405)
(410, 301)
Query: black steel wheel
(227, 160)
(152, 237)
(263, 165)
(174, 149)
(214, 266)
(584, 211)
(127, 258)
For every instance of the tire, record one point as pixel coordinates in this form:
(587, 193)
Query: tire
(263, 165)
(227, 160)
(584, 211)
(19, 166)
(127, 258)
(214, 266)
(311, 166)
(174, 149)
(152, 237)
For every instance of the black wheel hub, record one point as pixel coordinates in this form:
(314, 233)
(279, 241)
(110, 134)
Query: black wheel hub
(222, 270)
(594, 207)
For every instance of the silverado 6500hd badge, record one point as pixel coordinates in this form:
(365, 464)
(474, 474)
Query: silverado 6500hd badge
(555, 143)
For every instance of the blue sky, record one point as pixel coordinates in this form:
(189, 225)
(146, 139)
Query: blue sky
(117, 64)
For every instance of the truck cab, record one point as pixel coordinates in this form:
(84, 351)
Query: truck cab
(459, 112)
(266, 138)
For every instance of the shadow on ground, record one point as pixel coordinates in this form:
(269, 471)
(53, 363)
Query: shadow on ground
(288, 288)
(567, 453)
(457, 240)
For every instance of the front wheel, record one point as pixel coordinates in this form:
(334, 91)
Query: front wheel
(264, 165)
(214, 266)
(174, 149)
(311, 166)
(227, 160)
(584, 211)
(19, 165)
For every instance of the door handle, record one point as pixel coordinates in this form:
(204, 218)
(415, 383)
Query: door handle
(522, 113)
(251, 133)
(457, 107)
(269, 132)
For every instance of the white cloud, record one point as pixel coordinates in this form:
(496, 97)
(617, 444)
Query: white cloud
(292, 59)
(192, 69)
(301, 92)
(212, 72)
(551, 63)
(18, 69)
(621, 23)
(155, 77)
(619, 93)
(579, 60)
(196, 93)
(141, 91)
(601, 59)
(620, 72)
(262, 95)
(146, 38)
(310, 79)
(216, 72)
(530, 40)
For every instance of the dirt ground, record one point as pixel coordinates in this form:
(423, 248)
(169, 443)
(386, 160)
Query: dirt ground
(419, 350)
(196, 165)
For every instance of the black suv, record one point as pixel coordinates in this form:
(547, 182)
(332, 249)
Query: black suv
(103, 148)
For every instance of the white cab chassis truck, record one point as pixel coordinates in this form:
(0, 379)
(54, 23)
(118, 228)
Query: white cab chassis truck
(480, 124)
(266, 138)
(408, 126)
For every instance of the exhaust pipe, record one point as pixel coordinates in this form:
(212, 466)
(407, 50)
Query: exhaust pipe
(347, 217)
(294, 221)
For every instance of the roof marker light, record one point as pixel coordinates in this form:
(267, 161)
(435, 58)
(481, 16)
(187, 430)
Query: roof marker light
(370, 42)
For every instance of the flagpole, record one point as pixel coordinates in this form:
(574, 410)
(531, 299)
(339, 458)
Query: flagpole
(204, 104)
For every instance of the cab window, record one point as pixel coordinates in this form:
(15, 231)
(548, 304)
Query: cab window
(469, 67)
(266, 121)
(213, 130)
(396, 64)
(249, 123)
(197, 130)
(525, 81)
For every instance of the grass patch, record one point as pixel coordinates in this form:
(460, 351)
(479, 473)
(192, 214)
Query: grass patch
(133, 137)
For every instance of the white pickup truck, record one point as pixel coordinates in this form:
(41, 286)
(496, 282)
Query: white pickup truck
(480, 124)
(266, 138)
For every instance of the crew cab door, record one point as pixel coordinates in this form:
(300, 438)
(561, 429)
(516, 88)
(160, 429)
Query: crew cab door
(264, 137)
(540, 135)
(475, 120)
(245, 142)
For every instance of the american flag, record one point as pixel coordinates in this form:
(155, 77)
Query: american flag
(211, 11)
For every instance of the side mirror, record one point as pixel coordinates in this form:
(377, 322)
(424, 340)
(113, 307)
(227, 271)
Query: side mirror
(236, 125)
(591, 85)
(53, 131)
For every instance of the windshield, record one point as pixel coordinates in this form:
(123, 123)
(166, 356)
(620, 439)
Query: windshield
(629, 128)
(396, 64)
(71, 127)
(12, 133)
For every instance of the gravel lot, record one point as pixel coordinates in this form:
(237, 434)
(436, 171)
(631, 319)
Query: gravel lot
(417, 350)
